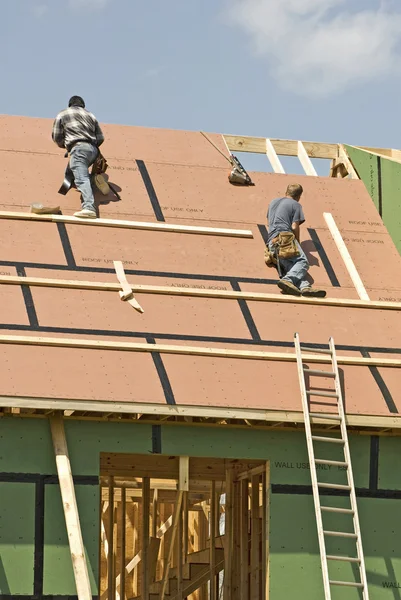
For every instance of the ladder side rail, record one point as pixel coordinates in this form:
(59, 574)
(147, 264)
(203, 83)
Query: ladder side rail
(315, 488)
(350, 476)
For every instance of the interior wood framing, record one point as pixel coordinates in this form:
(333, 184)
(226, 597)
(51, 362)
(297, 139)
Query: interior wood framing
(183, 527)
(341, 165)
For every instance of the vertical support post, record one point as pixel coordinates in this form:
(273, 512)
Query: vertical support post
(185, 528)
(255, 539)
(266, 532)
(273, 158)
(70, 508)
(228, 535)
(111, 554)
(179, 553)
(244, 543)
(236, 559)
(183, 486)
(123, 541)
(145, 538)
(212, 547)
(154, 512)
(305, 160)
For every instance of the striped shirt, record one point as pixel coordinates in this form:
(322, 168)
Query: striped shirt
(76, 124)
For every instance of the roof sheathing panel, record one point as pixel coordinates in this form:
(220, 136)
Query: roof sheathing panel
(188, 185)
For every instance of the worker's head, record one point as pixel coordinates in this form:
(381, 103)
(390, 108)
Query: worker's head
(294, 191)
(76, 101)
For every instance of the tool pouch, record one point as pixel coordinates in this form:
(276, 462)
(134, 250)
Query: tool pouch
(286, 244)
(270, 259)
(100, 165)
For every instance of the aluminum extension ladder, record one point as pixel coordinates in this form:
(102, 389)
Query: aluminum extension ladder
(316, 485)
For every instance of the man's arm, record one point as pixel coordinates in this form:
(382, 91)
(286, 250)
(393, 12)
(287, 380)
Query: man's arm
(99, 134)
(296, 229)
(58, 132)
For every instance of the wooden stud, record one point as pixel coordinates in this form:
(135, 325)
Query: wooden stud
(111, 552)
(236, 584)
(305, 160)
(154, 512)
(345, 255)
(70, 508)
(244, 539)
(185, 527)
(273, 158)
(167, 227)
(212, 545)
(255, 540)
(257, 145)
(179, 553)
(145, 539)
(228, 535)
(266, 532)
(123, 543)
(200, 293)
(183, 483)
(170, 549)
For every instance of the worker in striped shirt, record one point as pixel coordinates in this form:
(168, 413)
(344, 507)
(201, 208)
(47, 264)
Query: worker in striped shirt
(78, 130)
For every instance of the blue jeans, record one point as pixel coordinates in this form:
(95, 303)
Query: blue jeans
(82, 156)
(296, 269)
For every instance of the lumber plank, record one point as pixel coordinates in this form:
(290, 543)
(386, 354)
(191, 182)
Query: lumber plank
(123, 542)
(167, 227)
(273, 158)
(244, 539)
(198, 293)
(262, 416)
(145, 579)
(193, 351)
(170, 549)
(266, 531)
(305, 160)
(345, 255)
(282, 147)
(70, 508)
(228, 535)
(212, 545)
(342, 154)
(255, 539)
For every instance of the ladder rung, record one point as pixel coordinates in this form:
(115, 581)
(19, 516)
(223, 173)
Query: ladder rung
(345, 558)
(318, 438)
(346, 583)
(322, 416)
(324, 394)
(341, 534)
(317, 350)
(346, 511)
(335, 463)
(319, 373)
(334, 486)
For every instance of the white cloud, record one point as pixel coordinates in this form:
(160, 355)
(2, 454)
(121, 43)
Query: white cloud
(39, 10)
(87, 4)
(320, 47)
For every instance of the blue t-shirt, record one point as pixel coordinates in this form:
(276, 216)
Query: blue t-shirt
(281, 214)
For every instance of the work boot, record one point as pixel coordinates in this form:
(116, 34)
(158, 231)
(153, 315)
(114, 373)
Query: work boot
(85, 213)
(288, 288)
(311, 292)
(40, 209)
(101, 184)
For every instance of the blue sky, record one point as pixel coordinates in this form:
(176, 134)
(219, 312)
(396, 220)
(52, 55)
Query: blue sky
(274, 68)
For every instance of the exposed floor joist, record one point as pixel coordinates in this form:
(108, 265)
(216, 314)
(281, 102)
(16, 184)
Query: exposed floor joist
(221, 416)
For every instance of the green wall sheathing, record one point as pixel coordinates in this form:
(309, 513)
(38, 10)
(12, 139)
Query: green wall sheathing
(17, 529)
(382, 178)
(295, 563)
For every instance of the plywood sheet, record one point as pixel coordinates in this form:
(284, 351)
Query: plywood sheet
(185, 183)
